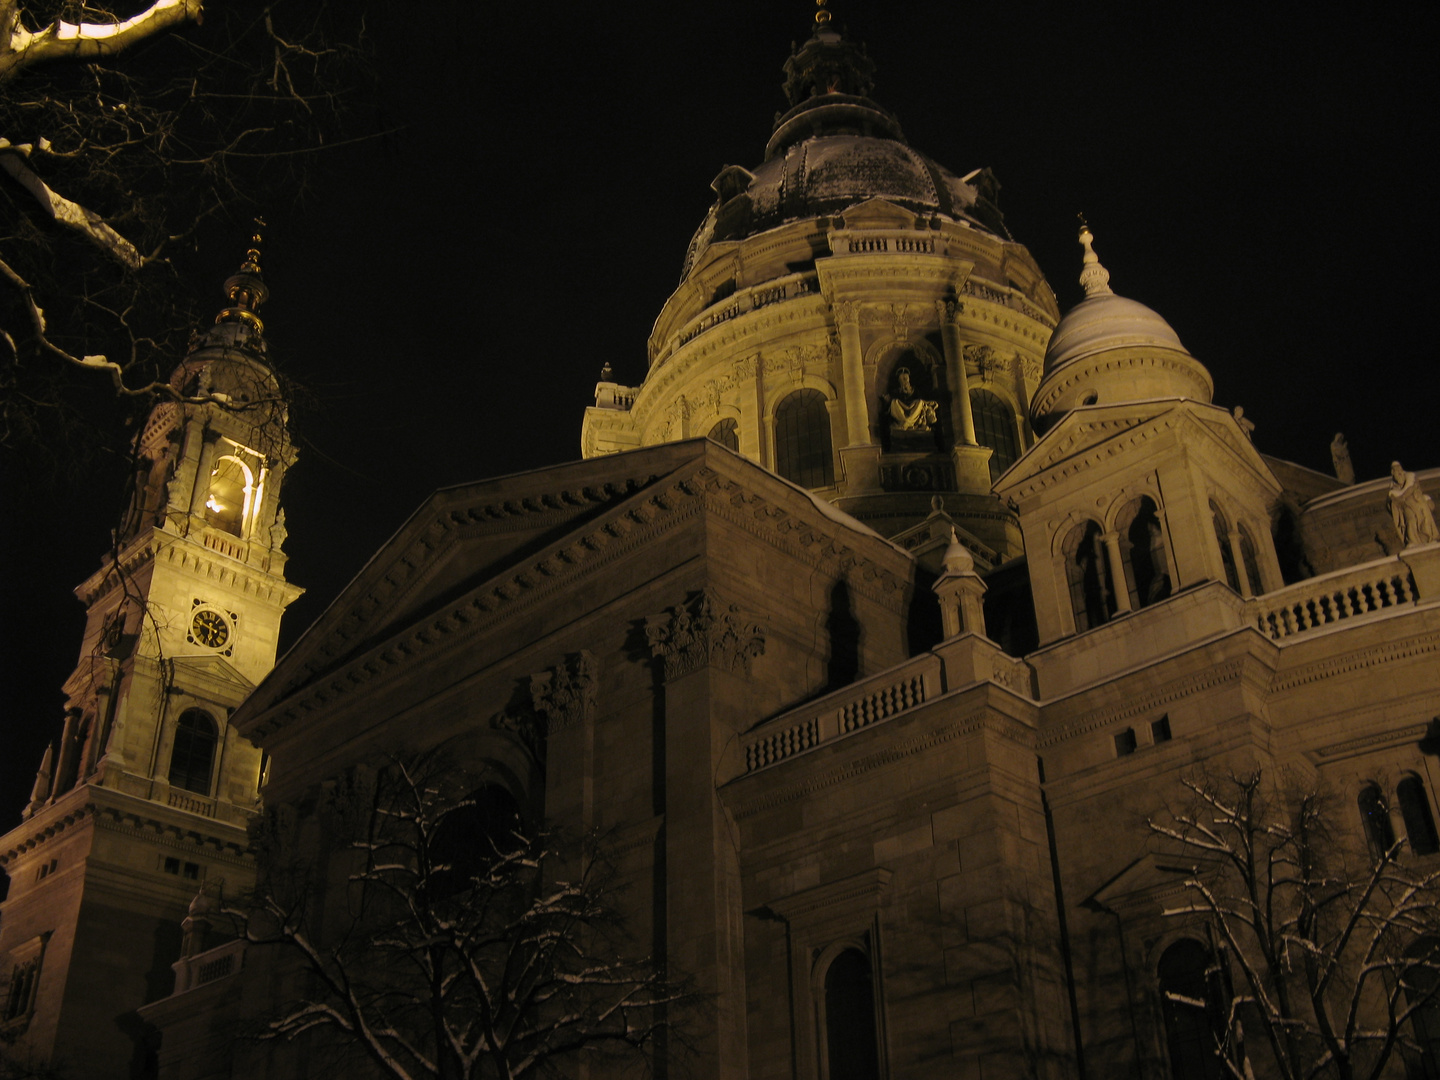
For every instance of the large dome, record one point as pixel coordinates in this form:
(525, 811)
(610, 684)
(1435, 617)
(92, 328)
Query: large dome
(836, 148)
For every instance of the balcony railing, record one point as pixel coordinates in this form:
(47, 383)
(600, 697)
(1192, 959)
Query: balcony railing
(193, 972)
(887, 694)
(1323, 601)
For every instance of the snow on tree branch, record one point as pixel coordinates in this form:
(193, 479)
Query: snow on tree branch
(21, 48)
(1331, 948)
(459, 943)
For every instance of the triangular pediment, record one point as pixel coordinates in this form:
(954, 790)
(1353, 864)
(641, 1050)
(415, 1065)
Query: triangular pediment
(211, 677)
(549, 557)
(1085, 438)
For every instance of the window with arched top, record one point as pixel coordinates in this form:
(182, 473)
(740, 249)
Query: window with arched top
(1415, 811)
(1248, 557)
(1142, 552)
(192, 755)
(1419, 979)
(852, 1050)
(802, 440)
(228, 500)
(995, 428)
(1087, 573)
(1227, 554)
(1194, 1021)
(726, 433)
(472, 835)
(1375, 819)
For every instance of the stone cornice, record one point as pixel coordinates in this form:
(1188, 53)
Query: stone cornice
(513, 591)
(1411, 733)
(636, 522)
(195, 559)
(867, 887)
(117, 812)
(409, 568)
(1386, 653)
(1216, 675)
(803, 540)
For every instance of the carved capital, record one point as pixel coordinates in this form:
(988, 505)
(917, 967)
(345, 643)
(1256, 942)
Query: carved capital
(949, 312)
(565, 694)
(704, 630)
(847, 313)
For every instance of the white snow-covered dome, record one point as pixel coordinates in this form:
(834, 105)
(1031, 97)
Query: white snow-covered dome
(1110, 349)
(1105, 322)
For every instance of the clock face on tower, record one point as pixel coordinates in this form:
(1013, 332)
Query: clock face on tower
(209, 628)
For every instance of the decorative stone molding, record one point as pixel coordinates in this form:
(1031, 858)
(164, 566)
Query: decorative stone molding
(565, 694)
(704, 630)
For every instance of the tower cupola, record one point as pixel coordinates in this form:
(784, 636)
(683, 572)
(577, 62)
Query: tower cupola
(1110, 349)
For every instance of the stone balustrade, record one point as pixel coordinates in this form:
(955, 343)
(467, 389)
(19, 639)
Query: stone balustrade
(886, 695)
(193, 972)
(751, 299)
(1323, 601)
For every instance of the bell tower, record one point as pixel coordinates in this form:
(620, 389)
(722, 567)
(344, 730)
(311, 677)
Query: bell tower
(147, 792)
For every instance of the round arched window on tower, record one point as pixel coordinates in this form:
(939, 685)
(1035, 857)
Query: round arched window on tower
(226, 503)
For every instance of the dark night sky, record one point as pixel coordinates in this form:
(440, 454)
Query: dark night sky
(450, 295)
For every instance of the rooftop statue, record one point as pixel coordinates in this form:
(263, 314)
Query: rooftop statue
(1411, 509)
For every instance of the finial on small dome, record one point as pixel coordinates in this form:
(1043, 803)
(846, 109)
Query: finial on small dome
(956, 559)
(1094, 278)
(822, 16)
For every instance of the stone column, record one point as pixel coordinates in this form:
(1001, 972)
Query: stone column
(564, 696)
(949, 311)
(704, 648)
(852, 364)
(1118, 585)
(1247, 587)
(860, 455)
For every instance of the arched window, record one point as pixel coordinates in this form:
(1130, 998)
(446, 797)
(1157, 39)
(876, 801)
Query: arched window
(726, 433)
(1087, 572)
(484, 825)
(1419, 980)
(802, 440)
(995, 428)
(1419, 822)
(1375, 817)
(1142, 550)
(852, 1050)
(1252, 564)
(1222, 537)
(1192, 1011)
(229, 496)
(194, 751)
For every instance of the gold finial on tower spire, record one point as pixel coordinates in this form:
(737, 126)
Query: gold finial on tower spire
(823, 15)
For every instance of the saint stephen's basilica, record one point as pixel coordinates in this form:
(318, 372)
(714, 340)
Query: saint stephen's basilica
(868, 632)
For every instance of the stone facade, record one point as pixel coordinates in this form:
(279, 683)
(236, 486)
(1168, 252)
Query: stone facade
(906, 721)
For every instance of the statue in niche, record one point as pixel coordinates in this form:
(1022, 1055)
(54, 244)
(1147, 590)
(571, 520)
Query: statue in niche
(1410, 508)
(1340, 455)
(908, 410)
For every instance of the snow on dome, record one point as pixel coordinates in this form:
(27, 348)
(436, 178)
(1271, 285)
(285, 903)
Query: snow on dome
(1110, 349)
(1104, 322)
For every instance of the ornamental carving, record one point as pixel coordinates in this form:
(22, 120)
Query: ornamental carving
(986, 360)
(704, 630)
(565, 694)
